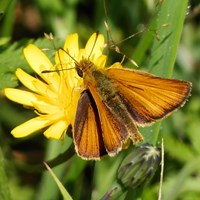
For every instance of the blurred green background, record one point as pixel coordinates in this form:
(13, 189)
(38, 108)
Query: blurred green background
(169, 47)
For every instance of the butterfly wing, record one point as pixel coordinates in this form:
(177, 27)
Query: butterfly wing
(148, 98)
(87, 131)
(116, 123)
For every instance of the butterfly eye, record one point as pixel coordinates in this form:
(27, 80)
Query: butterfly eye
(79, 72)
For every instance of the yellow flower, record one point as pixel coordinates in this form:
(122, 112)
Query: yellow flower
(55, 95)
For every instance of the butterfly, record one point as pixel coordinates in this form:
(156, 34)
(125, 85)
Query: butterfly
(116, 101)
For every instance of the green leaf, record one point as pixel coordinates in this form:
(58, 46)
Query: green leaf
(183, 152)
(4, 184)
(62, 189)
(172, 15)
(53, 149)
(8, 20)
(176, 186)
(11, 57)
(168, 25)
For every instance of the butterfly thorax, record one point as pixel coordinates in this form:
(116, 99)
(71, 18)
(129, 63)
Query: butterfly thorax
(87, 70)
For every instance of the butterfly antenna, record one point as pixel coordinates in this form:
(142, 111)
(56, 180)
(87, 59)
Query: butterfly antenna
(110, 42)
(51, 39)
(116, 48)
(60, 70)
(109, 36)
(97, 34)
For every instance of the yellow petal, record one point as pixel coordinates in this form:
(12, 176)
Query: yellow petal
(66, 58)
(26, 79)
(36, 58)
(101, 61)
(116, 65)
(94, 46)
(46, 106)
(34, 84)
(81, 54)
(20, 96)
(71, 45)
(40, 62)
(56, 130)
(30, 127)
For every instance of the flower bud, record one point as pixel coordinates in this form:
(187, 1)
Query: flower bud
(139, 166)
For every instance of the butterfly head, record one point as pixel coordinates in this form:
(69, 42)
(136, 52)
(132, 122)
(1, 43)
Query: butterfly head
(83, 66)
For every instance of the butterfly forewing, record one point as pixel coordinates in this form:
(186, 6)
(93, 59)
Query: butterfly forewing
(87, 129)
(148, 98)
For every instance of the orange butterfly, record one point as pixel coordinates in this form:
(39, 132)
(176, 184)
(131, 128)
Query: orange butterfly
(115, 101)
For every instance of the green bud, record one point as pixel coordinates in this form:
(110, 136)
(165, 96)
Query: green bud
(139, 166)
